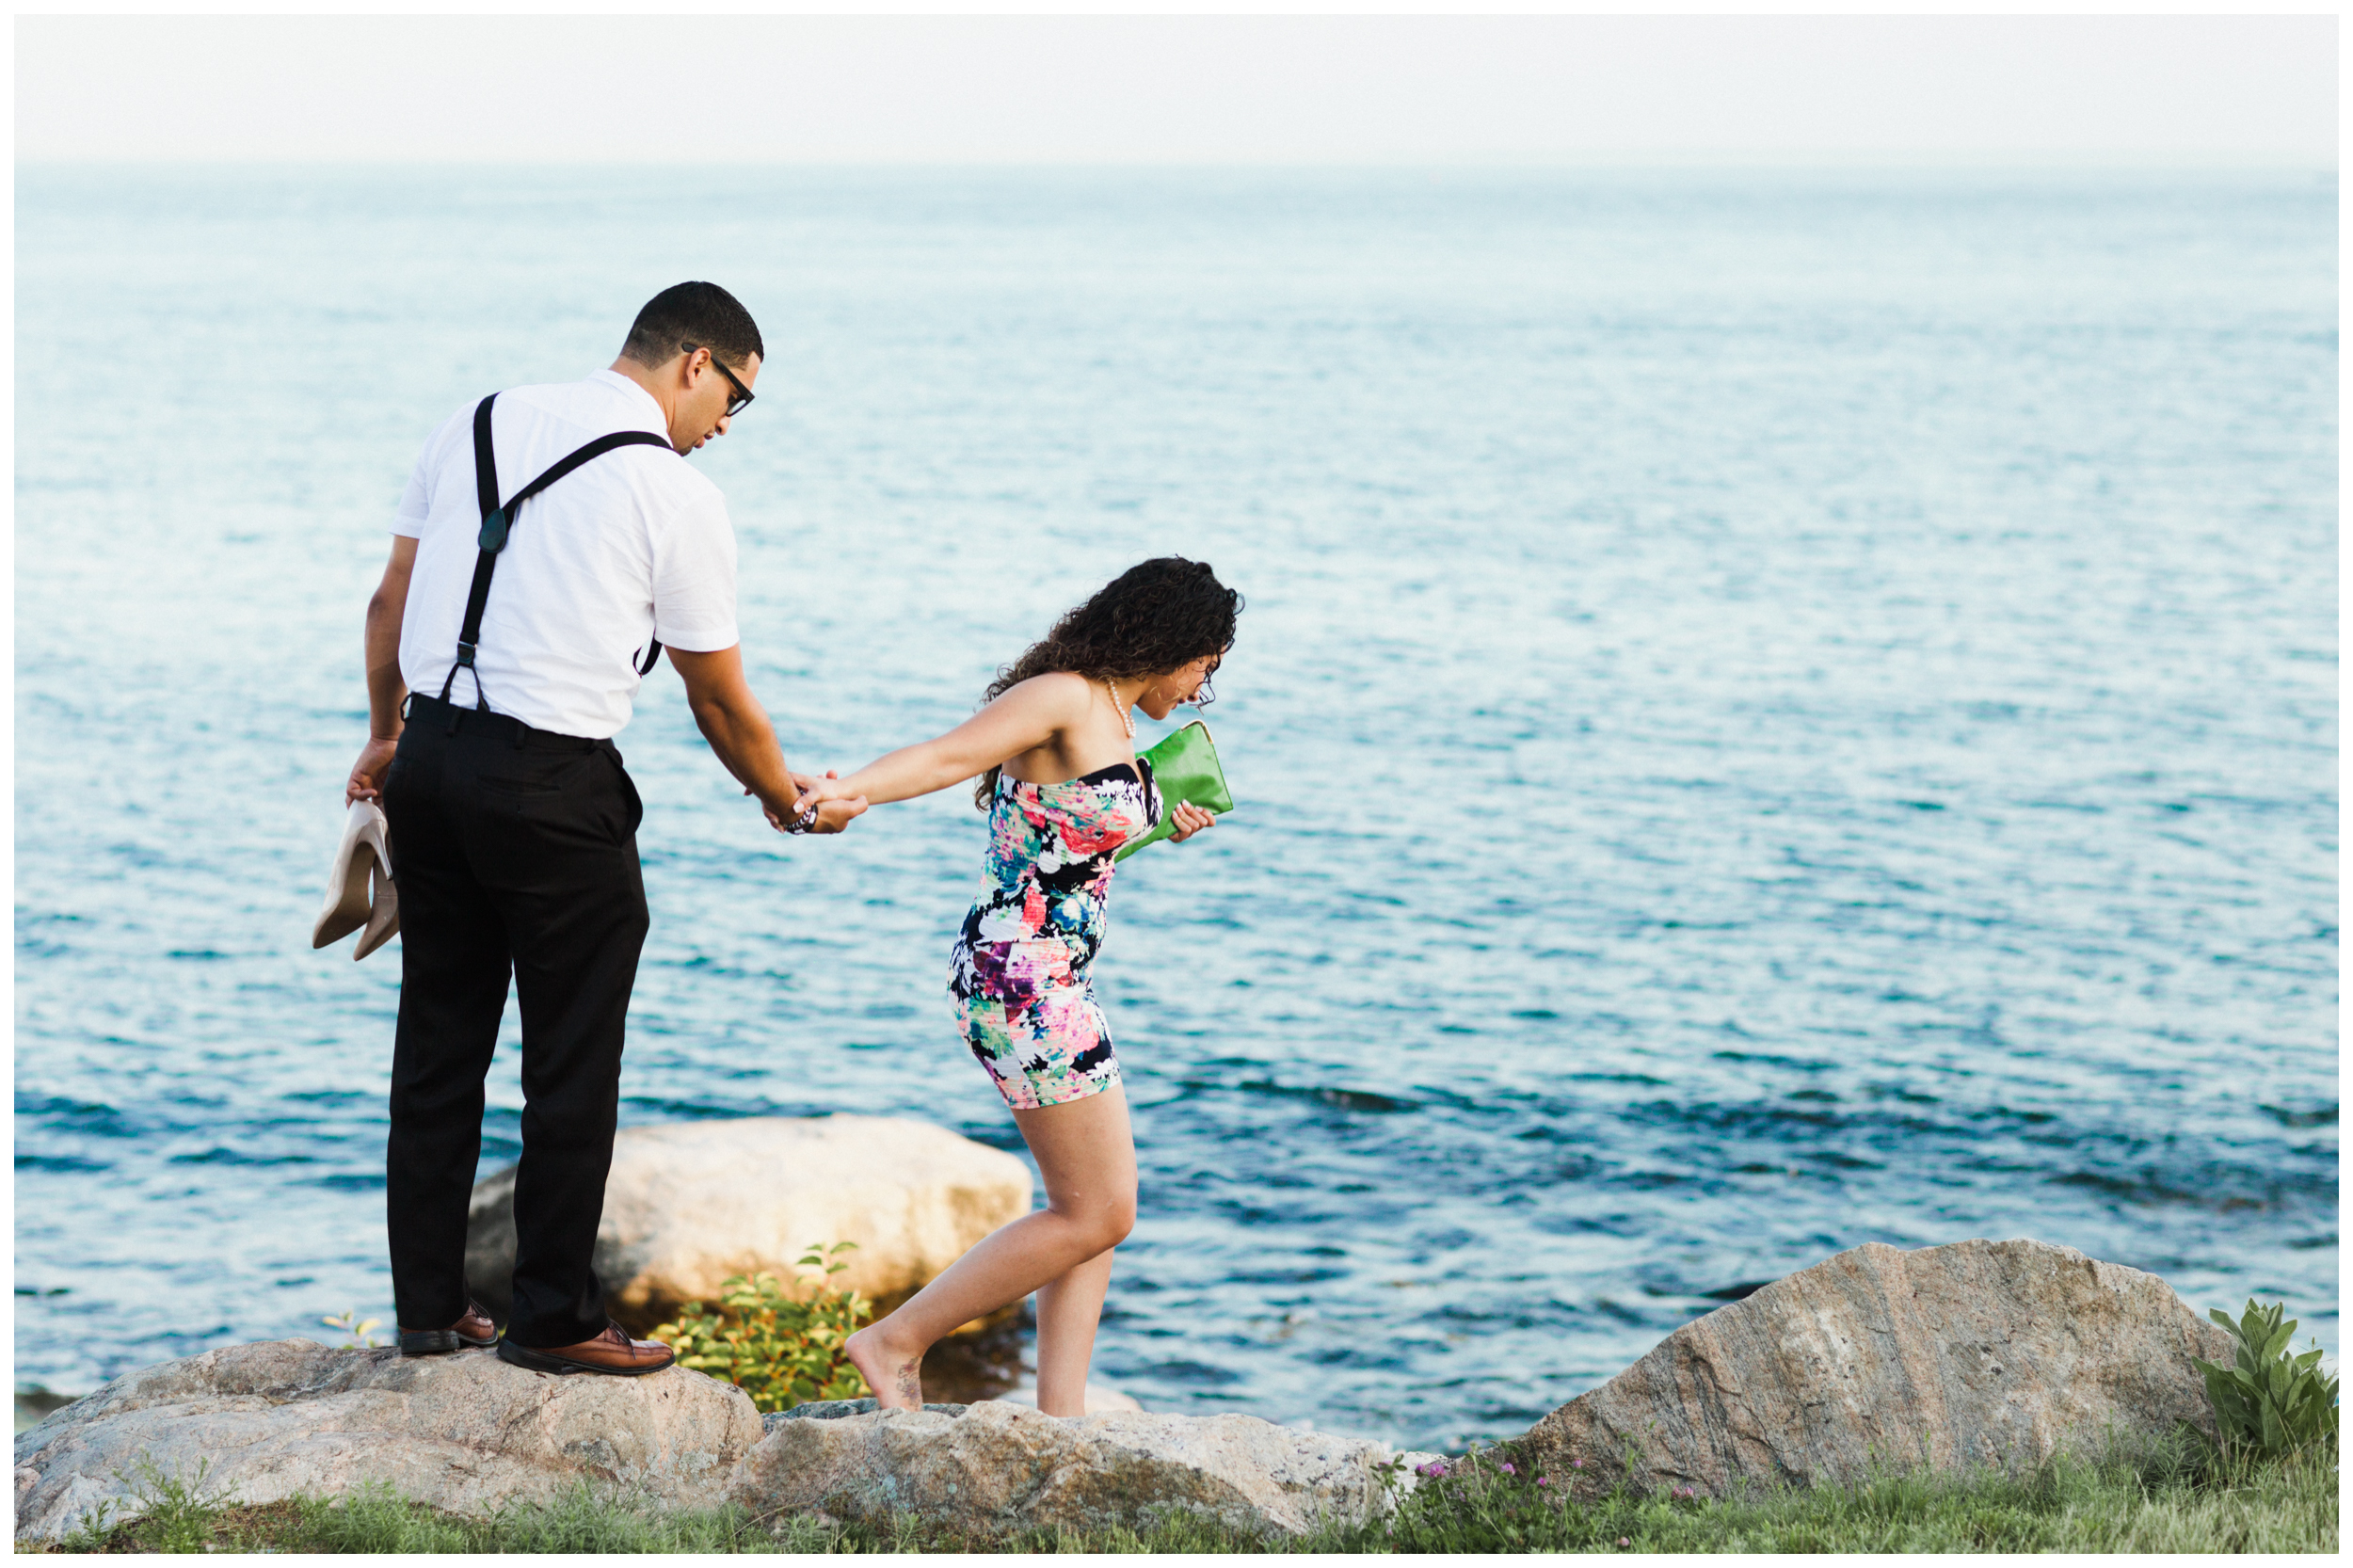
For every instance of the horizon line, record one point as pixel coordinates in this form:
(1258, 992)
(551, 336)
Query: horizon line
(1516, 162)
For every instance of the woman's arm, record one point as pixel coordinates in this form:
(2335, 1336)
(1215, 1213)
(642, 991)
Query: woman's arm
(1024, 718)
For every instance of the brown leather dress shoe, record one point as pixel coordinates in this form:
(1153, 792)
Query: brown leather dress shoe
(611, 1353)
(473, 1332)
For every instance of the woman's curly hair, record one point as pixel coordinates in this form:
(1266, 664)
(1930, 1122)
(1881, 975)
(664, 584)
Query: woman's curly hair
(1156, 617)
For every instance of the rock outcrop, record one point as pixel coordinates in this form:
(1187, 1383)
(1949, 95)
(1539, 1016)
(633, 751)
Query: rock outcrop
(994, 1466)
(1982, 1351)
(1990, 1352)
(1102, 1399)
(464, 1432)
(689, 1204)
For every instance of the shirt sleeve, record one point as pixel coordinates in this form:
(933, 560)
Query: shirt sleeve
(694, 578)
(416, 502)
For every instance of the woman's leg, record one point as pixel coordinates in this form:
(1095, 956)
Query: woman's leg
(1067, 1310)
(1088, 1158)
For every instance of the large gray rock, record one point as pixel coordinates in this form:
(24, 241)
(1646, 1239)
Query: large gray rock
(1981, 1351)
(689, 1204)
(994, 1467)
(463, 1432)
(1101, 1398)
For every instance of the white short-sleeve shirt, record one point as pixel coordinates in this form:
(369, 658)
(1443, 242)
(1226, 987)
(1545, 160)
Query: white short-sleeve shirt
(632, 546)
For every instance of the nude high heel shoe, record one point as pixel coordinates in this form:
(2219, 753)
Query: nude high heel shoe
(360, 892)
(383, 907)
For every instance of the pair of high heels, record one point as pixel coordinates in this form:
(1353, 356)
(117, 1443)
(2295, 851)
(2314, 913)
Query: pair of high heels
(360, 891)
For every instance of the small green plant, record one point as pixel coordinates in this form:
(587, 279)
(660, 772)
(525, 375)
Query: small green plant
(2267, 1404)
(179, 1512)
(780, 1347)
(90, 1535)
(357, 1327)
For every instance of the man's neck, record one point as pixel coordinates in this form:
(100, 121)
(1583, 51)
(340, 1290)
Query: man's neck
(646, 377)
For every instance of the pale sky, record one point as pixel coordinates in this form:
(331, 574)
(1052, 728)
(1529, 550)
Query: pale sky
(1315, 89)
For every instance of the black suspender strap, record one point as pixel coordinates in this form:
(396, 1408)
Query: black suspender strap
(486, 458)
(498, 521)
(485, 483)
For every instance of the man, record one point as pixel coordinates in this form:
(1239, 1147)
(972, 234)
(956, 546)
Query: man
(513, 825)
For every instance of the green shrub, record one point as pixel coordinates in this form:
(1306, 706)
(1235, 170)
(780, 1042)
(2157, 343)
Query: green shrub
(2267, 1404)
(780, 1347)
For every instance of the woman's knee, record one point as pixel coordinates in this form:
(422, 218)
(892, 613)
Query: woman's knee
(1102, 1225)
(1116, 1221)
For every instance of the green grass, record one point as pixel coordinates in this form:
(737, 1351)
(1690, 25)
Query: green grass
(2161, 1497)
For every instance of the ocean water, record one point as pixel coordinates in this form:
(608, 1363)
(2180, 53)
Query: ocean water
(1776, 712)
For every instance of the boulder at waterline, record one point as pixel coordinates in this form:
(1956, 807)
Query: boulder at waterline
(994, 1467)
(1102, 1399)
(1980, 1351)
(465, 1432)
(690, 1203)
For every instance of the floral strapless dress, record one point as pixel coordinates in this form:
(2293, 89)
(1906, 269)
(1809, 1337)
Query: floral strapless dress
(1020, 970)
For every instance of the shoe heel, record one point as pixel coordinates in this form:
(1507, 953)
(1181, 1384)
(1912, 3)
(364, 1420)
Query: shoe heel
(428, 1342)
(516, 1356)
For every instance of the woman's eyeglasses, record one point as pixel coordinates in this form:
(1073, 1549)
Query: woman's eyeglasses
(1202, 696)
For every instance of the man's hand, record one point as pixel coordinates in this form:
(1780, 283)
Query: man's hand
(367, 775)
(834, 802)
(832, 815)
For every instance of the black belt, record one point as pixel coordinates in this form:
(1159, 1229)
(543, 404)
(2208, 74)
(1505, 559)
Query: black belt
(481, 721)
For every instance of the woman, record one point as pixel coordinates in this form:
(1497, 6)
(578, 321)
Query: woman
(1055, 748)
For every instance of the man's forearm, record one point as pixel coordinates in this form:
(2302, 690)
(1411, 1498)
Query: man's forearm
(379, 644)
(746, 743)
(386, 689)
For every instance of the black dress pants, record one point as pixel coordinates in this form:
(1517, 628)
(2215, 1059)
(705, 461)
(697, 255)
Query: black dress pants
(515, 851)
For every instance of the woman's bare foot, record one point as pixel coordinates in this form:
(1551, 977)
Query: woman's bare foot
(894, 1372)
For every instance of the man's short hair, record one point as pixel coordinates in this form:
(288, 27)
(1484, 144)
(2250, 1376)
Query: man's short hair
(704, 314)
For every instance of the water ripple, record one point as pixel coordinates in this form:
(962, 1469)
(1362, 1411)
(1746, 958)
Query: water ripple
(1775, 712)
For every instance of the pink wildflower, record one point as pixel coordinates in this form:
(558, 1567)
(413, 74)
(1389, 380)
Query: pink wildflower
(1544, 1480)
(1507, 1470)
(1623, 1541)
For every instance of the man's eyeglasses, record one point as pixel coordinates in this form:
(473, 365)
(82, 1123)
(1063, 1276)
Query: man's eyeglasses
(742, 397)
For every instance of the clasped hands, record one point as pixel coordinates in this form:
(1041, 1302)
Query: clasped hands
(821, 806)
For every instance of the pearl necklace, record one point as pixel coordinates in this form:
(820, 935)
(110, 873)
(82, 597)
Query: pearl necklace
(1127, 721)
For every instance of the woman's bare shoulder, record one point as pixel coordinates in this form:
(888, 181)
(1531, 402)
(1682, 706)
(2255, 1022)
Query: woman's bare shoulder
(1057, 692)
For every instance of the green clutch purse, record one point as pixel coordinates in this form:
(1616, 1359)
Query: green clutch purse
(1185, 767)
